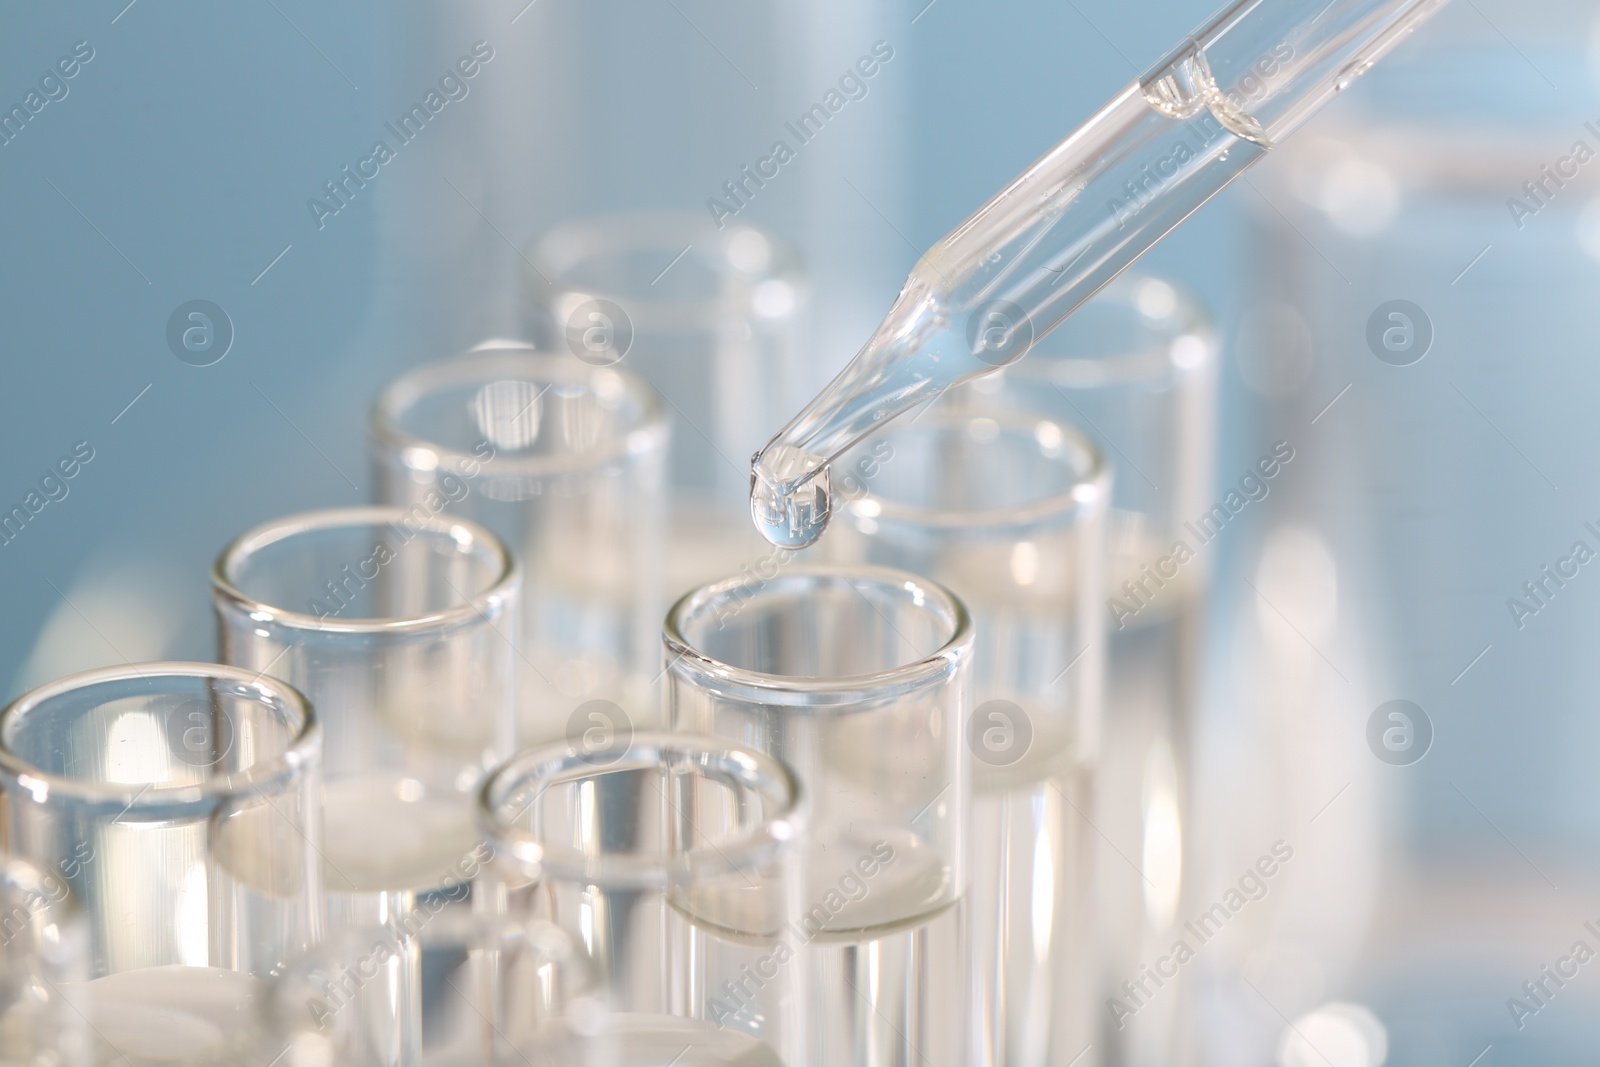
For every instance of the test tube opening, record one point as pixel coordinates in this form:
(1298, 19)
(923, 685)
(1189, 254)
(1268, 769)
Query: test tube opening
(816, 628)
(156, 736)
(366, 568)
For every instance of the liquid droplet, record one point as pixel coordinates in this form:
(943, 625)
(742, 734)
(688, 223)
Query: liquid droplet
(789, 498)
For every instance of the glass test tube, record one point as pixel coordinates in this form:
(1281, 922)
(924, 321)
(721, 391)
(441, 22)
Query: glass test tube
(1008, 510)
(43, 951)
(669, 858)
(859, 679)
(400, 626)
(707, 316)
(177, 802)
(1136, 370)
(564, 462)
(497, 993)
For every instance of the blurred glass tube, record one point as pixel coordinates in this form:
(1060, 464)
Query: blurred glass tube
(1432, 249)
(1136, 369)
(178, 803)
(706, 315)
(401, 624)
(564, 462)
(1008, 511)
(670, 859)
(454, 221)
(498, 994)
(858, 678)
(43, 951)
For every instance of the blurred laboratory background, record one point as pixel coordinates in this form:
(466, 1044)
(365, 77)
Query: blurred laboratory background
(1386, 696)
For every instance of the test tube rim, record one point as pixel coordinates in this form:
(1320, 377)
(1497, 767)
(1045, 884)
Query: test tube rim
(844, 695)
(752, 849)
(20, 778)
(486, 605)
(522, 362)
(553, 254)
(1058, 509)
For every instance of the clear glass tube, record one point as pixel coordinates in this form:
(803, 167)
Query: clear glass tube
(1077, 218)
(1443, 192)
(43, 953)
(178, 802)
(1008, 510)
(859, 679)
(669, 857)
(710, 317)
(1136, 369)
(401, 625)
(564, 462)
(498, 993)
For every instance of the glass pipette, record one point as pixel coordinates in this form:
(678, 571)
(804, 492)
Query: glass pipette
(1074, 220)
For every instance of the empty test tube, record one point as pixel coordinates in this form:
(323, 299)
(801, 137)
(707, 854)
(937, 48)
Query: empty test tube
(564, 462)
(709, 315)
(402, 624)
(670, 858)
(706, 314)
(1136, 368)
(1008, 511)
(178, 803)
(858, 678)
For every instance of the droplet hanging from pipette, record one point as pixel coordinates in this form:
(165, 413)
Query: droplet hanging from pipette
(789, 497)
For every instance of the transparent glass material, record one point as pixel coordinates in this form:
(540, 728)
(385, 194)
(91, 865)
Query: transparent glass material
(494, 993)
(670, 859)
(177, 801)
(1401, 637)
(1008, 511)
(402, 626)
(859, 679)
(1074, 220)
(564, 462)
(709, 317)
(43, 954)
(1136, 369)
